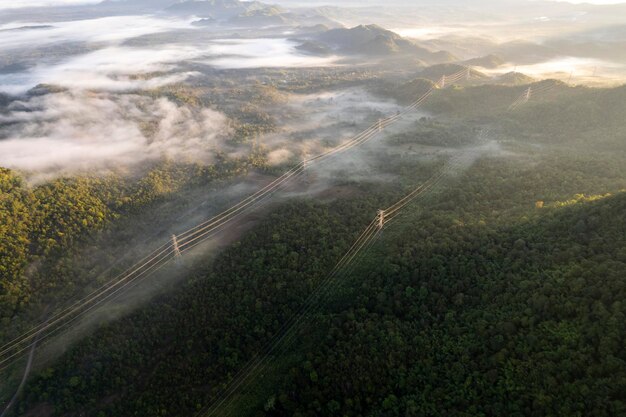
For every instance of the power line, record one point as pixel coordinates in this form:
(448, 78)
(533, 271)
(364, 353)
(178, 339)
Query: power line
(188, 239)
(286, 333)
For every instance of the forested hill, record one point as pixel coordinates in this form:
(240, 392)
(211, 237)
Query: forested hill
(528, 320)
(48, 229)
(500, 293)
(453, 313)
(448, 319)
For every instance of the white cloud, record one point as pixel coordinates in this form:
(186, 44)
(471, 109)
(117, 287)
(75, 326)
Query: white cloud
(106, 29)
(262, 53)
(69, 132)
(115, 68)
(108, 67)
(315, 122)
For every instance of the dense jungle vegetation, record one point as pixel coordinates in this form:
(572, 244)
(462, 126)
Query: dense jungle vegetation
(500, 293)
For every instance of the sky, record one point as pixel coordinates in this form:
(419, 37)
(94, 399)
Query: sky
(9, 4)
(14, 4)
(594, 1)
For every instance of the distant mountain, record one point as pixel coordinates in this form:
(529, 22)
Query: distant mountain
(613, 33)
(314, 48)
(366, 38)
(523, 52)
(205, 21)
(268, 16)
(375, 40)
(313, 30)
(138, 5)
(442, 56)
(608, 43)
(466, 47)
(435, 72)
(277, 16)
(553, 83)
(514, 78)
(314, 20)
(247, 14)
(217, 9)
(488, 61)
(30, 27)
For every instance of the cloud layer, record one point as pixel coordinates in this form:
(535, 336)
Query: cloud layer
(68, 132)
(261, 53)
(112, 30)
(318, 122)
(123, 68)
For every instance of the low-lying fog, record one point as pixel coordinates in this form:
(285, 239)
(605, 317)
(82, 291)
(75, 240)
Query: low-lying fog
(260, 53)
(24, 34)
(116, 68)
(571, 69)
(96, 124)
(67, 132)
(103, 63)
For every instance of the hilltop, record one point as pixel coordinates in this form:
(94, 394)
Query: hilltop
(515, 78)
(217, 9)
(488, 61)
(378, 41)
(435, 72)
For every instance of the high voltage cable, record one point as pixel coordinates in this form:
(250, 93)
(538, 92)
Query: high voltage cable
(259, 364)
(190, 238)
(256, 364)
(152, 268)
(532, 92)
(218, 222)
(370, 233)
(55, 318)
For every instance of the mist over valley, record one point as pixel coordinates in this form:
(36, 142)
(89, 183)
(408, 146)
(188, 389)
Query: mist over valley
(286, 208)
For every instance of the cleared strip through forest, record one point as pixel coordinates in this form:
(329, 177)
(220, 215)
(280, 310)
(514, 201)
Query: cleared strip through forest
(285, 335)
(187, 240)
